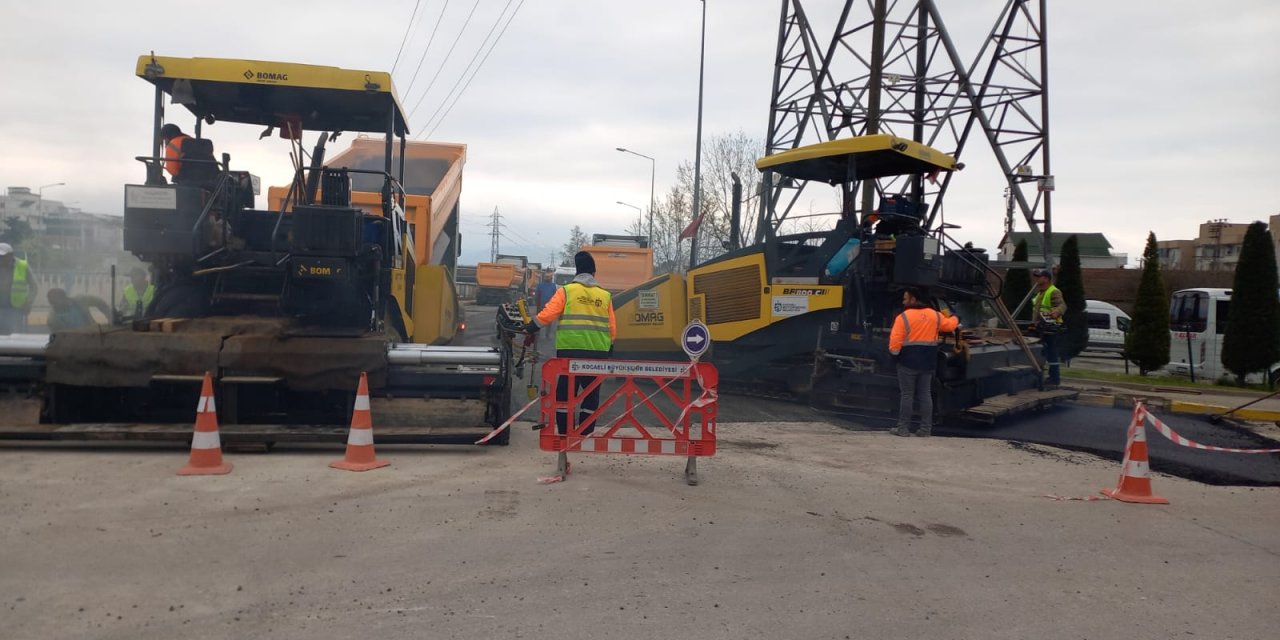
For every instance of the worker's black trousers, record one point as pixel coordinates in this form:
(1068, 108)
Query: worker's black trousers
(587, 404)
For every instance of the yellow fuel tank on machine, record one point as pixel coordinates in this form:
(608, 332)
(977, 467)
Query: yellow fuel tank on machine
(651, 316)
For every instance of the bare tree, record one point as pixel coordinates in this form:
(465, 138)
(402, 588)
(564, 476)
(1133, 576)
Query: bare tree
(577, 238)
(723, 156)
(670, 254)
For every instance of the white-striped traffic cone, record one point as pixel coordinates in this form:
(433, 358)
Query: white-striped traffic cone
(1135, 471)
(360, 456)
(206, 447)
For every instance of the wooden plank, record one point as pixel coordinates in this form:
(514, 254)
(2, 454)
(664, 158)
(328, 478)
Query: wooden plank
(1000, 406)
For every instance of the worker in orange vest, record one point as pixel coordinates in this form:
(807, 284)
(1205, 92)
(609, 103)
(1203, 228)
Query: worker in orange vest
(173, 138)
(914, 345)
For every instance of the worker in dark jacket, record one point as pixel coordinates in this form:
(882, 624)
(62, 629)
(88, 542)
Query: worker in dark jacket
(914, 343)
(586, 330)
(73, 312)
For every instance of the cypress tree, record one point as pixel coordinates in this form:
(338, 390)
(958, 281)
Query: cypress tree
(1252, 340)
(1017, 282)
(1071, 282)
(1147, 343)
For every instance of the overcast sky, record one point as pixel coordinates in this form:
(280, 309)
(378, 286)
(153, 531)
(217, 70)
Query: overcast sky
(1164, 113)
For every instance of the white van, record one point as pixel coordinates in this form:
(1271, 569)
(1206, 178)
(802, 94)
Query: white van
(1107, 326)
(1197, 322)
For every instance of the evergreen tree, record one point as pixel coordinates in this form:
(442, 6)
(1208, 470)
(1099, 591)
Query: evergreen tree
(1147, 343)
(1017, 282)
(1071, 282)
(1252, 340)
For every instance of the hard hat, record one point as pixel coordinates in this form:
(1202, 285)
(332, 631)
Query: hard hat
(1047, 273)
(5, 249)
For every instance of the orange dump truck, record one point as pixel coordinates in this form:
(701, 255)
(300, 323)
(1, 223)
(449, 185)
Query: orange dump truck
(504, 280)
(622, 262)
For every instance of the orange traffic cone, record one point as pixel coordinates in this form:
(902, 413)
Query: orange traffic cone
(360, 456)
(1135, 472)
(206, 448)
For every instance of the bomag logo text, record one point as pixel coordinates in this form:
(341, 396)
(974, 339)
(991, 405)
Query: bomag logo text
(650, 317)
(320, 271)
(803, 292)
(267, 76)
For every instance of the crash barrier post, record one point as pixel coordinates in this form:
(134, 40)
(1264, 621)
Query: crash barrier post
(687, 427)
(1135, 481)
(360, 455)
(206, 447)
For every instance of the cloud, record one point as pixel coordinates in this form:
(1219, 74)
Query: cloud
(1162, 113)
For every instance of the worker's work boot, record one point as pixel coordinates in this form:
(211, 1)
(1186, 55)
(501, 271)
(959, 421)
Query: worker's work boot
(924, 432)
(900, 430)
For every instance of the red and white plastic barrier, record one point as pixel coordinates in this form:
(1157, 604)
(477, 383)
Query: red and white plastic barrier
(1169, 433)
(689, 386)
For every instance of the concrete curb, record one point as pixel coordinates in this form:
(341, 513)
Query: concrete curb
(1125, 401)
(1199, 408)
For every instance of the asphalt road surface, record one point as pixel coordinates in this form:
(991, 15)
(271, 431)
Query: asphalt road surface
(1095, 430)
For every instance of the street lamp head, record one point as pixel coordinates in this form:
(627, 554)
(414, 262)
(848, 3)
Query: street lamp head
(621, 149)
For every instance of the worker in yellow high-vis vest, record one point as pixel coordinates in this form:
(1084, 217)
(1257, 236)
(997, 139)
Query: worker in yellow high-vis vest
(587, 329)
(138, 294)
(1049, 307)
(17, 291)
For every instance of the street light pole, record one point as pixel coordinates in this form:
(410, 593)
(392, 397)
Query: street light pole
(653, 172)
(697, 156)
(40, 195)
(638, 209)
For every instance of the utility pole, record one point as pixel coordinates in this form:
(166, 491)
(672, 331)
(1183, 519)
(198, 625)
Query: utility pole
(495, 223)
(697, 154)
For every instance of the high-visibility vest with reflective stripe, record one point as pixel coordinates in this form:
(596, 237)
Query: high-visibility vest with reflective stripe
(1046, 303)
(131, 297)
(173, 154)
(21, 290)
(585, 322)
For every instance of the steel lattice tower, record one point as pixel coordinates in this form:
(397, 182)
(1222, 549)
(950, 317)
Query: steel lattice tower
(890, 66)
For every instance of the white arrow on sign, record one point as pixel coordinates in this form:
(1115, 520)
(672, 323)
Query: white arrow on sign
(696, 338)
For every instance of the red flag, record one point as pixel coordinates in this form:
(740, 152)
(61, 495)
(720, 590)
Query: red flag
(691, 230)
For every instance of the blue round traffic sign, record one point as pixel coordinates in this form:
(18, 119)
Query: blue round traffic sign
(695, 339)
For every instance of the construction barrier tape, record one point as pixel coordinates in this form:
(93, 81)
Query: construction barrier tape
(1082, 498)
(1179, 440)
(502, 427)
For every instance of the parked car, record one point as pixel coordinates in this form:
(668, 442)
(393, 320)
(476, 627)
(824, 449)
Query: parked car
(1107, 326)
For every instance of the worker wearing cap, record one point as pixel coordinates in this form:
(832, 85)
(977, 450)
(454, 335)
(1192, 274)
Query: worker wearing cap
(1050, 307)
(17, 291)
(914, 343)
(138, 294)
(587, 329)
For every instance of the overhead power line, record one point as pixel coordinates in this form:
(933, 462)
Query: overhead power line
(477, 70)
(446, 59)
(422, 57)
(480, 49)
(407, 28)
